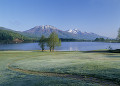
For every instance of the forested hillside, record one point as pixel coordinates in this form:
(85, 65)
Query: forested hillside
(7, 36)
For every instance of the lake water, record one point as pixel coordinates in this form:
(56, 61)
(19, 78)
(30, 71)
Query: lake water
(65, 46)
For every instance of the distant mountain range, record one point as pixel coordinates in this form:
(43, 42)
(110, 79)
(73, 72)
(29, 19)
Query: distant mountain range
(75, 33)
(46, 30)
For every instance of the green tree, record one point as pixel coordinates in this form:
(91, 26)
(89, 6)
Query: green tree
(49, 44)
(118, 34)
(53, 41)
(42, 42)
(100, 39)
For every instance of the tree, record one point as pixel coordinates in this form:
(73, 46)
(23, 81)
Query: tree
(100, 39)
(118, 34)
(53, 41)
(49, 44)
(97, 39)
(42, 42)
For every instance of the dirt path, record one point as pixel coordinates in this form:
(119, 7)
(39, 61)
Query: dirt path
(86, 78)
(75, 77)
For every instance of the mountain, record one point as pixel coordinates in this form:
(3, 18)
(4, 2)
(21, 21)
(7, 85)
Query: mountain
(85, 35)
(48, 29)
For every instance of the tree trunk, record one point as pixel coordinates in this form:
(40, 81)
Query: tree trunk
(53, 48)
(50, 49)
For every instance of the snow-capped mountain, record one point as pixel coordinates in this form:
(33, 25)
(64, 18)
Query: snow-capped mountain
(46, 30)
(74, 31)
(84, 35)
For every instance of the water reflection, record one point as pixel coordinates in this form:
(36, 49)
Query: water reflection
(65, 46)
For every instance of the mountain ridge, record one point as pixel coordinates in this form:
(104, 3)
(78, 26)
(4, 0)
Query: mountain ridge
(75, 33)
(46, 30)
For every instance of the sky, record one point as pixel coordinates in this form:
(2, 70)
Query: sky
(98, 16)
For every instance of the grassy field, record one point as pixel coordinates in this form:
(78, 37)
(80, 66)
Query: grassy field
(36, 68)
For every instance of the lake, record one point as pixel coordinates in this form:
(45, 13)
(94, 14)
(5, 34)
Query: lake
(65, 46)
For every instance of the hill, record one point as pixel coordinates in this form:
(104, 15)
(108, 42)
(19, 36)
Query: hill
(9, 36)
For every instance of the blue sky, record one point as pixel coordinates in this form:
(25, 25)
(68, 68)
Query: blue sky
(98, 16)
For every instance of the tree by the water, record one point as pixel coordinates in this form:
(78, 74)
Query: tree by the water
(42, 42)
(99, 39)
(53, 41)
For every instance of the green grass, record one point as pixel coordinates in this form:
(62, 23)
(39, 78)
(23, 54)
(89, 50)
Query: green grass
(100, 65)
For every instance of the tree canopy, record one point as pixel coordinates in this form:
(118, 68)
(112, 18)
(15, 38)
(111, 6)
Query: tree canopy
(99, 39)
(53, 41)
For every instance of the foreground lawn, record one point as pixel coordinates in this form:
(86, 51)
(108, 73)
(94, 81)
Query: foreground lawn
(36, 68)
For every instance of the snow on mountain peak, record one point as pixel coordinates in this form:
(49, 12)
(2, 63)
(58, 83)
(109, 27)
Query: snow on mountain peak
(70, 31)
(74, 31)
